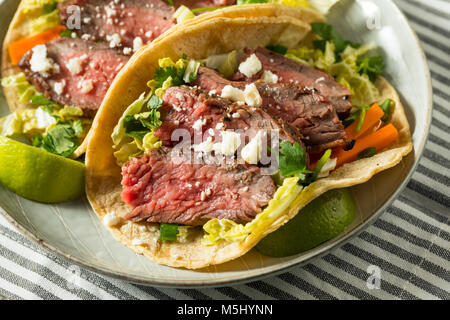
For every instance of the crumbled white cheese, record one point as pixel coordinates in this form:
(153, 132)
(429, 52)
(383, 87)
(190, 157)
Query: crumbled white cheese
(59, 87)
(43, 119)
(232, 93)
(250, 66)
(236, 115)
(87, 20)
(198, 124)
(137, 44)
(110, 219)
(206, 146)
(251, 151)
(39, 61)
(127, 50)
(137, 242)
(269, 77)
(75, 64)
(148, 34)
(219, 126)
(114, 40)
(230, 142)
(327, 167)
(251, 96)
(320, 79)
(86, 86)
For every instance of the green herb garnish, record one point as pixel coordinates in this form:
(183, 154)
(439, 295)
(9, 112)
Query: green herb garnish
(362, 116)
(386, 106)
(292, 160)
(170, 2)
(320, 165)
(328, 33)
(168, 231)
(60, 140)
(162, 74)
(367, 153)
(67, 33)
(372, 66)
(41, 100)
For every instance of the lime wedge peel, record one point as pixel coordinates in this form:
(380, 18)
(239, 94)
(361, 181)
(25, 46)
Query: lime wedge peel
(39, 175)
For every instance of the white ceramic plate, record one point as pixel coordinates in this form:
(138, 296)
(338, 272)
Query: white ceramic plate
(73, 231)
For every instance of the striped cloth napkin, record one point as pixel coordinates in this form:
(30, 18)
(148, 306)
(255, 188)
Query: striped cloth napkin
(408, 247)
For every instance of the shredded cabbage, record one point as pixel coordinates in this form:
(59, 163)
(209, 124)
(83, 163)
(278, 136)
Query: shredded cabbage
(134, 108)
(45, 22)
(29, 5)
(345, 71)
(150, 141)
(23, 87)
(29, 122)
(127, 151)
(183, 13)
(224, 229)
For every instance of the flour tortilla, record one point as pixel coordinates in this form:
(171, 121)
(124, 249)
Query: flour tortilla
(211, 36)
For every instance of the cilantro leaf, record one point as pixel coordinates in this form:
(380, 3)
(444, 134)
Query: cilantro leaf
(292, 160)
(60, 140)
(77, 127)
(372, 66)
(67, 33)
(41, 100)
(170, 2)
(328, 33)
(162, 74)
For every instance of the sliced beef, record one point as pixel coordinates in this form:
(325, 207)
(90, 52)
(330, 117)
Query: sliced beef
(124, 24)
(160, 188)
(291, 71)
(301, 108)
(183, 107)
(83, 73)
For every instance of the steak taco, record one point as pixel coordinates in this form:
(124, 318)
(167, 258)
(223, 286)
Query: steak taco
(60, 57)
(218, 134)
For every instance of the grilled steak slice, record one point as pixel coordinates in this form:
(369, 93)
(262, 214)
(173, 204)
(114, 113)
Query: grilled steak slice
(160, 188)
(120, 22)
(291, 71)
(302, 109)
(83, 72)
(183, 107)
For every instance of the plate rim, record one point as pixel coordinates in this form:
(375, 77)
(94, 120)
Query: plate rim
(297, 262)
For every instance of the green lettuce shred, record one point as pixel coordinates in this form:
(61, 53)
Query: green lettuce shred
(346, 71)
(44, 22)
(18, 81)
(223, 229)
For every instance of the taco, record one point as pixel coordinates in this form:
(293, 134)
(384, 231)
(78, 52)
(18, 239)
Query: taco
(60, 57)
(238, 83)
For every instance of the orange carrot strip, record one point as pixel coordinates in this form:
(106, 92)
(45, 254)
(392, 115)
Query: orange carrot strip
(378, 139)
(372, 116)
(18, 48)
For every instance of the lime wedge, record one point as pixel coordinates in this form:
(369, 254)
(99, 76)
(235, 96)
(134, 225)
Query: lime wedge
(322, 219)
(39, 175)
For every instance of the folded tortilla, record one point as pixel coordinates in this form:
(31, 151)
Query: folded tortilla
(207, 37)
(20, 26)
